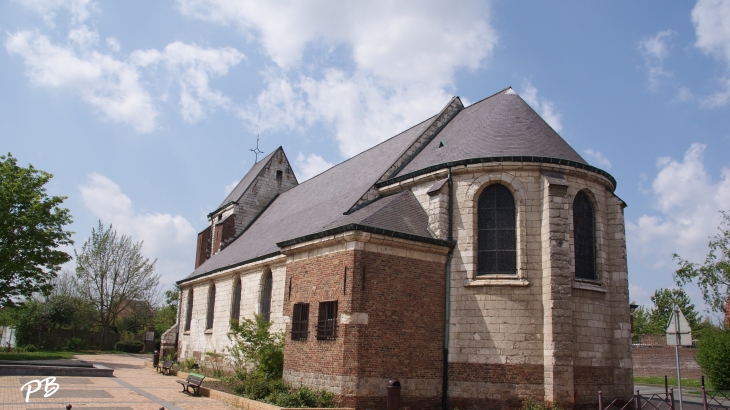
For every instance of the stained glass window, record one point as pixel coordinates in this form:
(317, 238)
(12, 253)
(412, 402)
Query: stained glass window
(497, 232)
(584, 237)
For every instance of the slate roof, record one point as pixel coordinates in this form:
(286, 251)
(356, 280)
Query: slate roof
(317, 204)
(247, 179)
(500, 125)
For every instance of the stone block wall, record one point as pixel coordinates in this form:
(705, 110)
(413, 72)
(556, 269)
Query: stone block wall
(559, 334)
(202, 340)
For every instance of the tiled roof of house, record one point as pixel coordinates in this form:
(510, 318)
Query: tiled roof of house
(501, 125)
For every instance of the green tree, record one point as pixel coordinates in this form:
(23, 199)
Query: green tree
(713, 356)
(166, 316)
(640, 319)
(112, 273)
(31, 230)
(664, 301)
(713, 276)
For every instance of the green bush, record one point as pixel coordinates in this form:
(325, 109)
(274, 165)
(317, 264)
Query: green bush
(279, 393)
(74, 344)
(530, 404)
(129, 346)
(29, 348)
(713, 356)
(255, 350)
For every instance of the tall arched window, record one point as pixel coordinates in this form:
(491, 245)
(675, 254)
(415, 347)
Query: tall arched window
(189, 310)
(584, 237)
(211, 307)
(236, 305)
(497, 236)
(265, 303)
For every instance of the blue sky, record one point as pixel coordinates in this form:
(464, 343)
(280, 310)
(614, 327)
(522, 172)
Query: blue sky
(145, 111)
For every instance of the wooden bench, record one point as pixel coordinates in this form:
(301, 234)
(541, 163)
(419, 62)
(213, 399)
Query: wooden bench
(194, 380)
(165, 367)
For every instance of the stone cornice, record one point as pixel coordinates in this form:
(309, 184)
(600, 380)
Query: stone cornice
(354, 236)
(398, 184)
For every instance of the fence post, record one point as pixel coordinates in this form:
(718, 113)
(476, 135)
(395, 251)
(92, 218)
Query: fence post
(704, 396)
(703, 380)
(666, 385)
(600, 400)
(671, 395)
(637, 400)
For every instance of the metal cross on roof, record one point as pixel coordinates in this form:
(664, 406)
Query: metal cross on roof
(256, 150)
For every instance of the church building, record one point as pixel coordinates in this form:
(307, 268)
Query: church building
(476, 257)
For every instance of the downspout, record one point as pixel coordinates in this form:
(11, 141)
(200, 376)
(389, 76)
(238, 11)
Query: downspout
(447, 307)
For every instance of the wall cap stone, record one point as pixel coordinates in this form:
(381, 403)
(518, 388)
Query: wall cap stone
(589, 285)
(497, 280)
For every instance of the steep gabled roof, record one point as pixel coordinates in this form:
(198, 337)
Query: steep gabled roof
(500, 125)
(313, 205)
(248, 179)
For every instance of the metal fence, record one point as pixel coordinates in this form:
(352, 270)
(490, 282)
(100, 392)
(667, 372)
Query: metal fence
(659, 401)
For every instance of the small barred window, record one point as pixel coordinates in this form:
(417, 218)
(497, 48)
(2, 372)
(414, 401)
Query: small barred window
(327, 321)
(497, 232)
(300, 322)
(584, 237)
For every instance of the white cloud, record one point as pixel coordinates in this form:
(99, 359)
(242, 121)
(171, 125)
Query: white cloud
(655, 50)
(111, 86)
(79, 10)
(229, 188)
(113, 44)
(310, 165)
(687, 200)
(711, 19)
(404, 56)
(544, 107)
(193, 66)
(170, 239)
(598, 158)
(640, 295)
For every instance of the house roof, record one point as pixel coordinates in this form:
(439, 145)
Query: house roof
(498, 126)
(247, 179)
(330, 193)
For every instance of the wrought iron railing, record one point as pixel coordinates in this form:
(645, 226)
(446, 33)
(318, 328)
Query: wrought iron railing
(658, 401)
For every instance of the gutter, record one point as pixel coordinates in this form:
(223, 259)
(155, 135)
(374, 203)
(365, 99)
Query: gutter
(447, 309)
(485, 160)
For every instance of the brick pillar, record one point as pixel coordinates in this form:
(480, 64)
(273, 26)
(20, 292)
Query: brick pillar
(556, 294)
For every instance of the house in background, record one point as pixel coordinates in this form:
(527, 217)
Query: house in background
(476, 257)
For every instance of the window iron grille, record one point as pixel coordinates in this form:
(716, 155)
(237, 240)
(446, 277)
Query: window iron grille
(300, 322)
(327, 321)
(497, 232)
(584, 237)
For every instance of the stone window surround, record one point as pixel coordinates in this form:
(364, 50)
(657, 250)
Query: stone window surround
(472, 201)
(262, 279)
(236, 281)
(210, 310)
(599, 213)
(188, 311)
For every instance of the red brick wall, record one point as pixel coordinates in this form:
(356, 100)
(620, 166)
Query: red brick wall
(314, 280)
(404, 300)
(661, 361)
(203, 247)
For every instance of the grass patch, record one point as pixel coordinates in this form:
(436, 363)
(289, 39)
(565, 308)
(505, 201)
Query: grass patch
(56, 355)
(36, 355)
(672, 381)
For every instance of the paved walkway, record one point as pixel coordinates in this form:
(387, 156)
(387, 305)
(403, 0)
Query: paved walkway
(133, 387)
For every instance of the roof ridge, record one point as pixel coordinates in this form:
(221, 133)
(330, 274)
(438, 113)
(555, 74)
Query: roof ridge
(491, 96)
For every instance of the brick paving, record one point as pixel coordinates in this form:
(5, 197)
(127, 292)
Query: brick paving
(133, 387)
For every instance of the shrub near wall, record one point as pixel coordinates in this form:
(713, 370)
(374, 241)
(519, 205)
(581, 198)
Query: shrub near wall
(129, 346)
(713, 355)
